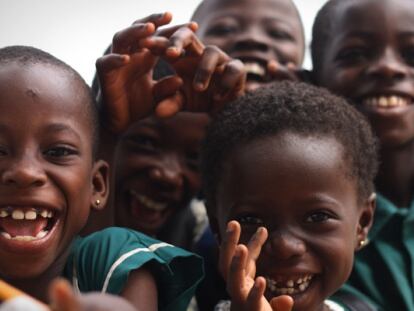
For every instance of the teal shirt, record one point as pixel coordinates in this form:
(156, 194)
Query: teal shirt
(383, 272)
(103, 260)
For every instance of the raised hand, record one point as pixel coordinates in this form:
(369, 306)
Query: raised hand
(237, 264)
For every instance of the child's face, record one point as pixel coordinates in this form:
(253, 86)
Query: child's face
(46, 167)
(296, 187)
(254, 31)
(156, 170)
(370, 60)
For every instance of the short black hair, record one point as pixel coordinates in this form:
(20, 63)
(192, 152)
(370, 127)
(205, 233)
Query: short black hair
(26, 55)
(289, 107)
(322, 31)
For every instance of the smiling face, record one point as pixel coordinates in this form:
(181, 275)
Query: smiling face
(46, 167)
(157, 170)
(254, 31)
(297, 188)
(370, 60)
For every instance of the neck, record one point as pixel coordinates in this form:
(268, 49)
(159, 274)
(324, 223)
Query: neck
(396, 174)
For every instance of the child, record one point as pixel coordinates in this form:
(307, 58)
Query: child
(50, 177)
(363, 50)
(267, 35)
(292, 167)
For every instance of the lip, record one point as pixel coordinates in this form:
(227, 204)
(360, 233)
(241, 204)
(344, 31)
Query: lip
(387, 103)
(35, 246)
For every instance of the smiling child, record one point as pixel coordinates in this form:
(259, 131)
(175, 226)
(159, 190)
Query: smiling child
(364, 50)
(292, 167)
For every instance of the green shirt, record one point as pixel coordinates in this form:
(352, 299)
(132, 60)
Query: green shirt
(103, 260)
(383, 271)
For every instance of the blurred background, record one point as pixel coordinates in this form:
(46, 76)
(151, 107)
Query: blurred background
(78, 31)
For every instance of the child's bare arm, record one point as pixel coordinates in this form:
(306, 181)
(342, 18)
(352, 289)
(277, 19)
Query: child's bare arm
(238, 265)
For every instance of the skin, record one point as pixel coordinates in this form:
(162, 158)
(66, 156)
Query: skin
(371, 55)
(299, 214)
(46, 161)
(265, 32)
(158, 159)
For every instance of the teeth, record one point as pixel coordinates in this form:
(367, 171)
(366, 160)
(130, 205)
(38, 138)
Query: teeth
(150, 204)
(44, 213)
(254, 68)
(289, 283)
(50, 214)
(25, 238)
(289, 287)
(30, 215)
(3, 213)
(41, 234)
(17, 214)
(6, 235)
(387, 101)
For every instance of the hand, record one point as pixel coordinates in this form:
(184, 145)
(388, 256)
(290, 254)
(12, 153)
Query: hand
(210, 77)
(63, 298)
(237, 264)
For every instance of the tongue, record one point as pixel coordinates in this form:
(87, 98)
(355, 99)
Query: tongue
(22, 227)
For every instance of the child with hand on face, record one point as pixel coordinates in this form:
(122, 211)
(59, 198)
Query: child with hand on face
(266, 35)
(288, 176)
(50, 178)
(363, 50)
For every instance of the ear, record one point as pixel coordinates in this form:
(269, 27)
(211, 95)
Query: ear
(100, 185)
(366, 218)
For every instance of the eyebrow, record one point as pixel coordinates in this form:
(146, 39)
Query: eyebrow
(60, 127)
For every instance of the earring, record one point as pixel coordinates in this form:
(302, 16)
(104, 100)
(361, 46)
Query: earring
(362, 243)
(97, 202)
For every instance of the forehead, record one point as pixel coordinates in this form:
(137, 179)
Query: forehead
(359, 17)
(282, 10)
(42, 90)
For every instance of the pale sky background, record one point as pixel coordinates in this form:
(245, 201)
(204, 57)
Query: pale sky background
(78, 31)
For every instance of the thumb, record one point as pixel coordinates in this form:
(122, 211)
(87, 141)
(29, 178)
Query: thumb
(62, 296)
(282, 303)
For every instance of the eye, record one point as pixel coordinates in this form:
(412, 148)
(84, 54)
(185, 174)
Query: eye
(60, 152)
(352, 55)
(279, 34)
(408, 55)
(251, 220)
(318, 217)
(193, 160)
(221, 29)
(142, 142)
(3, 151)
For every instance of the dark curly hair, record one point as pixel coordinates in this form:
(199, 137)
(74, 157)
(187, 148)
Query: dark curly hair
(27, 55)
(293, 107)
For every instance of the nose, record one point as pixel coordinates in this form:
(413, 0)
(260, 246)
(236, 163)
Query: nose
(23, 172)
(168, 175)
(251, 38)
(284, 246)
(389, 66)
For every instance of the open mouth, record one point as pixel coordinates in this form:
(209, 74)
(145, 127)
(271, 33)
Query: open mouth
(148, 203)
(387, 101)
(26, 223)
(291, 286)
(255, 71)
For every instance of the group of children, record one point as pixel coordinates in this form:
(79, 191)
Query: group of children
(309, 201)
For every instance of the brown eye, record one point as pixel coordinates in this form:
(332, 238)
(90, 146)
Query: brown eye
(318, 217)
(57, 152)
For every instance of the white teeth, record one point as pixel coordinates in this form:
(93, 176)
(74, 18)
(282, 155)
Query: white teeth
(30, 215)
(25, 238)
(289, 283)
(302, 287)
(254, 68)
(6, 235)
(299, 281)
(44, 213)
(387, 101)
(3, 214)
(41, 234)
(50, 214)
(289, 287)
(149, 204)
(18, 214)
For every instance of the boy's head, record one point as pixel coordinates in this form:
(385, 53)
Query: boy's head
(49, 178)
(363, 50)
(156, 170)
(300, 162)
(254, 31)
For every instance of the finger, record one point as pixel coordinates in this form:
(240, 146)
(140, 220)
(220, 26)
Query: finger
(237, 273)
(256, 242)
(158, 19)
(111, 62)
(169, 31)
(282, 303)
(127, 40)
(166, 87)
(184, 39)
(277, 71)
(256, 294)
(156, 44)
(62, 297)
(228, 246)
(170, 106)
(232, 81)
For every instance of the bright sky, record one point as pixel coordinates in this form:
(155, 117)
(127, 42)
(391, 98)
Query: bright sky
(78, 31)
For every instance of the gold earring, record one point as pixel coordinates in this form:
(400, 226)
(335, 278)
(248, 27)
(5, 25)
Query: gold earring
(362, 243)
(97, 202)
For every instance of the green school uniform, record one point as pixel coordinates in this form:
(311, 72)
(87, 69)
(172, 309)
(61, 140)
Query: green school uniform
(383, 271)
(103, 260)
